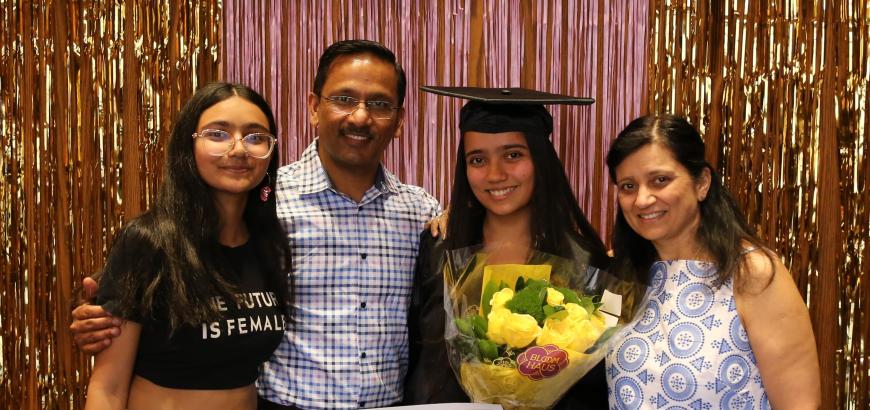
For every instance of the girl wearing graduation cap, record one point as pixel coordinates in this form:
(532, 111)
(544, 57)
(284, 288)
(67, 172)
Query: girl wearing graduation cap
(511, 196)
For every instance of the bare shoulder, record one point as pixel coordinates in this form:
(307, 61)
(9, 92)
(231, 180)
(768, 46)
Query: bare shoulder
(761, 271)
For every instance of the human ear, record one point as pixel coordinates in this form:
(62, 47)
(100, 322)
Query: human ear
(703, 184)
(313, 102)
(400, 121)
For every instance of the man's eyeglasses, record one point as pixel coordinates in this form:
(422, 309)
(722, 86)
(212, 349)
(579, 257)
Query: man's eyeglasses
(219, 142)
(344, 105)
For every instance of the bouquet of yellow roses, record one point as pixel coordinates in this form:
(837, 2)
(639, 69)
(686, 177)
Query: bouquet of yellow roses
(521, 335)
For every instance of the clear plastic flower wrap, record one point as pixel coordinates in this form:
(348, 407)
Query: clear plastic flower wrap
(522, 335)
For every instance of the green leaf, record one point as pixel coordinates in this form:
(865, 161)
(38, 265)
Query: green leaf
(549, 311)
(488, 291)
(570, 295)
(488, 350)
(480, 325)
(465, 326)
(587, 302)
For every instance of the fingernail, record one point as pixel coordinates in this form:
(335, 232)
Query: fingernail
(116, 322)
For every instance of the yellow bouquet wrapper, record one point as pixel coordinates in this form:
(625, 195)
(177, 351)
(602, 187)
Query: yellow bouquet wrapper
(490, 383)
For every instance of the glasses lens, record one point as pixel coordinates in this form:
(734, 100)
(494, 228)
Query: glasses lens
(343, 104)
(380, 109)
(216, 142)
(259, 145)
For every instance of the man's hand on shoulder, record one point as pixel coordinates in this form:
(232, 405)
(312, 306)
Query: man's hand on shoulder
(93, 328)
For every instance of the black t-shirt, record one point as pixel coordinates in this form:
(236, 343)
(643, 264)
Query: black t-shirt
(430, 378)
(224, 354)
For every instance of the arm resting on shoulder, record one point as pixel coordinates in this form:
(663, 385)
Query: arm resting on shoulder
(109, 385)
(778, 325)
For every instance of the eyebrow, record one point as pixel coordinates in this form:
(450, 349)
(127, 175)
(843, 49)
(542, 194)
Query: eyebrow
(652, 172)
(502, 148)
(248, 126)
(350, 92)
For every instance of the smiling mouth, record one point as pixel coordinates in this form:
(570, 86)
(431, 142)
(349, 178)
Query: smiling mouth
(502, 191)
(357, 136)
(237, 170)
(651, 215)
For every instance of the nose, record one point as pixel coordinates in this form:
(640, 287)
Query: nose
(360, 115)
(645, 197)
(495, 172)
(238, 147)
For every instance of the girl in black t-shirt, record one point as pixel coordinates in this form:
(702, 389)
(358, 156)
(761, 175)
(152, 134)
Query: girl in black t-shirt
(201, 277)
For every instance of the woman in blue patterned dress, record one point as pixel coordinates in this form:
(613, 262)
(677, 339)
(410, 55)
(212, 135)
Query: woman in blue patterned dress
(724, 325)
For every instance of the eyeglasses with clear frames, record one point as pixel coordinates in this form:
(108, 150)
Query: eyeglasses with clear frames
(219, 142)
(344, 105)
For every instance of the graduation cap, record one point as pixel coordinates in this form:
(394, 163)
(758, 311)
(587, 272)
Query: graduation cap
(495, 110)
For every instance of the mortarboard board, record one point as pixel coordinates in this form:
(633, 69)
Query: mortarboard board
(495, 110)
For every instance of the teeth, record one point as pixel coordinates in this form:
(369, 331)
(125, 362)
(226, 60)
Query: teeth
(652, 215)
(357, 137)
(500, 192)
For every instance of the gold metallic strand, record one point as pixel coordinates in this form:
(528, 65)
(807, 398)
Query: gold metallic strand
(88, 90)
(779, 88)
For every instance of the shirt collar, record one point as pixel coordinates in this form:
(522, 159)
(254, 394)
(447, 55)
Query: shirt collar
(312, 177)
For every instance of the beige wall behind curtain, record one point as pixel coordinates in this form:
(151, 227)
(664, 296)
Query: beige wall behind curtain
(779, 89)
(88, 91)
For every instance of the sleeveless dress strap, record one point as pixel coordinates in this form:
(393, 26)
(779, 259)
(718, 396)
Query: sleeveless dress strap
(747, 250)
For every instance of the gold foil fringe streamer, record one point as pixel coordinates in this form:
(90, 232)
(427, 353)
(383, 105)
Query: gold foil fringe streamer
(779, 88)
(89, 91)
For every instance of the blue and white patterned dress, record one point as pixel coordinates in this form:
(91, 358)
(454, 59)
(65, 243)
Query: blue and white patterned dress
(688, 350)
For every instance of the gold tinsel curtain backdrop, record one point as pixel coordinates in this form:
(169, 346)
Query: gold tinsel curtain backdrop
(89, 90)
(751, 75)
(779, 89)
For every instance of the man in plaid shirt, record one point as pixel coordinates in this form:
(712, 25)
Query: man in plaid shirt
(354, 230)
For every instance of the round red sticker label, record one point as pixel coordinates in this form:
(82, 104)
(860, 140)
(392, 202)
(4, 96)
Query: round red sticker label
(541, 362)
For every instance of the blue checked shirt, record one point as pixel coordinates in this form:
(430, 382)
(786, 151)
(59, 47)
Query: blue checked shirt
(353, 264)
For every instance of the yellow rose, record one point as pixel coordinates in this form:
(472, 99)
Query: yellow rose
(496, 318)
(520, 330)
(557, 332)
(586, 334)
(576, 313)
(554, 297)
(501, 297)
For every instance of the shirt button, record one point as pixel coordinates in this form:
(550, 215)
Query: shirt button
(362, 305)
(362, 355)
(362, 404)
(363, 255)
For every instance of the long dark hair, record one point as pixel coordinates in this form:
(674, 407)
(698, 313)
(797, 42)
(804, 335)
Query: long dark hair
(556, 216)
(722, 228)
(169, 259)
